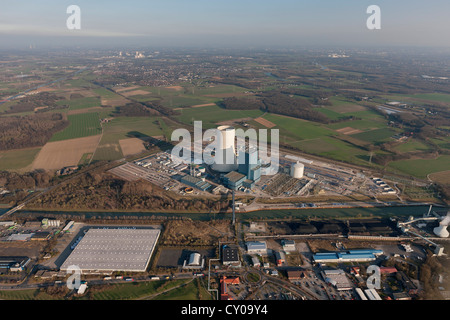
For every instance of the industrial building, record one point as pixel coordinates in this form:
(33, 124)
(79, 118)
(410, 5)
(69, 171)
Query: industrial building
(280, 258)
(234, 180)
(41, 236)
(361, 255)
(20, 237)
(250, 165)
(230, 256)
(195, 182)
(361, 294)
(288, 245)
(224, 283)
(295, 275)
(195, 262)
(13, 264)
(50, 223)
(257, 247)
(337, 278)
(255, 262)
(248, 173)
(113, 249)
(372, 294)
(239, 171)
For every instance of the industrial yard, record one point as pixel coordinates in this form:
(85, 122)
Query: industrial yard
(296, 177)
(273, 260)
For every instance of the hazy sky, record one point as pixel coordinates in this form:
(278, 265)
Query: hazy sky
(225, 22)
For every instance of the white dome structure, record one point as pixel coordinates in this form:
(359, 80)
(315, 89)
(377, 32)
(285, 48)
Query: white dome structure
(225, 159)
(442, 231)
(195, 259)
(297, 170)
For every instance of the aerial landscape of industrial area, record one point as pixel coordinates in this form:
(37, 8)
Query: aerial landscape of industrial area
(345, 196)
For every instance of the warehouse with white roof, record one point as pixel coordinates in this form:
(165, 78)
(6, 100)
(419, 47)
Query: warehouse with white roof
(113, 249)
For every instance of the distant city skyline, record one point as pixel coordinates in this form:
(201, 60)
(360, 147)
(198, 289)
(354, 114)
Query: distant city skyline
(290, 23)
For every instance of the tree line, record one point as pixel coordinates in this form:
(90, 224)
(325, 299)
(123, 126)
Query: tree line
(30, 130)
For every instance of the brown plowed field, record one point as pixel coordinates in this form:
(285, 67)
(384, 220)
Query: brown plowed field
(59, 154)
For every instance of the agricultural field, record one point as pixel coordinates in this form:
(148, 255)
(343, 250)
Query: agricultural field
(177, 289)
(212, 115)
(81, 103)
(59, 154)
(109, 98)
(375, 136)
(131, 146)
(441, 177)
(29, 294)
(182, 96)
(317, 139)
(422, 167)
(129, 127)
(17, 159)
(420, 98)
(412, 145)
(81, 125)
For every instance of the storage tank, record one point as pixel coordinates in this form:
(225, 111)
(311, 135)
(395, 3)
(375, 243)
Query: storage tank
(297, 170)
(225, 159)
(195, 259)
(442, 231)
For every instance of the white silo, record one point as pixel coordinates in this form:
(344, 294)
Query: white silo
(297, 170)
(225, 159)
(442, 231)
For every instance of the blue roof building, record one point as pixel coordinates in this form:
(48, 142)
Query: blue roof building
(348, 256)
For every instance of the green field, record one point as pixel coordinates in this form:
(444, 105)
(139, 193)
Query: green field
(422, 167)
(213, 114)
(359, 124)
(104, 93)
(183, 101)
(317, 139)
(297, 128)
(420, 97)
(375, 136)
(188, 95)
(125, 127)
(412, 145)
(85, 159)
(111, 151)
(81, 103)
(81, 125)
(331, 114)
(17, 159)
(186, 291)
(316, 146)
(439, 97)
(30, 294)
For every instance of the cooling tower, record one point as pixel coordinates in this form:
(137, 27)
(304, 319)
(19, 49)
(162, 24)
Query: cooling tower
(442, 231)
(297, 170)
(225, 159)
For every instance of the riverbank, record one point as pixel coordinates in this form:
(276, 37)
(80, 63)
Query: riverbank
(279, 214)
